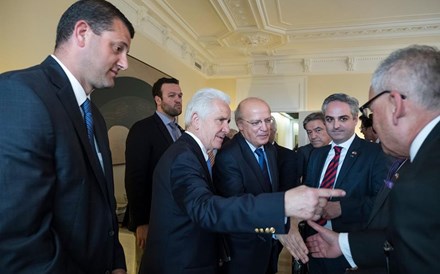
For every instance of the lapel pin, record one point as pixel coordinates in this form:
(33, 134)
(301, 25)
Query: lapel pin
(353, 154)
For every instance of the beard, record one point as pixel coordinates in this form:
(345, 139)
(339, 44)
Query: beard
(171, 111)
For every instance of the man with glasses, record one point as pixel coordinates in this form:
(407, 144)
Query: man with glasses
(248, 164)
(405, 98)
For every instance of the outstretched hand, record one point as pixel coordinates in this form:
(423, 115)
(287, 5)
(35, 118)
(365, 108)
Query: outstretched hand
(324, 244)
(294, 242)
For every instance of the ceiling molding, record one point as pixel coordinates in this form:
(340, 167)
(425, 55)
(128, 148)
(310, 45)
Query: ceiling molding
(247, 45)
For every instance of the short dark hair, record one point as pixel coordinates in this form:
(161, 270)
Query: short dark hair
(157, 87)
(366, 121)
(312, 117)
(98, 14)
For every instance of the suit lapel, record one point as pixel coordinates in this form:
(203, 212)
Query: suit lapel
(350, 158)
(271, 158)
(67, 98)
(199, 154)
(163, 129)
(378, 202)
(250, 158)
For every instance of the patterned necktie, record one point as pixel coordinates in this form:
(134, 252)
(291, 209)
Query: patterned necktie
(88, 118)
(330, 175)
(263, 166)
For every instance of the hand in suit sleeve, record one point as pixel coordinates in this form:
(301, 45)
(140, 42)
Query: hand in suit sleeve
(193, 194)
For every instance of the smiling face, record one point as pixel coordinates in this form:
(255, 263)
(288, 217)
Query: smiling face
(255, 122)
(339, 121)
(103, 56)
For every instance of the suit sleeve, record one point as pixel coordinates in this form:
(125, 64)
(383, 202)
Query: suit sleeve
(137, 179)
(367, 248)
(215, 213)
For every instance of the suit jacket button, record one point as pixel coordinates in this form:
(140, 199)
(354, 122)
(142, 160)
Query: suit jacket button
(272, 230)
(111, 233)
(256, 230)
(261, 230)
(267, 230)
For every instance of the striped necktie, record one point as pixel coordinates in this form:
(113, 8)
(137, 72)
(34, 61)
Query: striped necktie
(330, 175)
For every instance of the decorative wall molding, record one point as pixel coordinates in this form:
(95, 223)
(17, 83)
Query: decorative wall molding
(259, 52)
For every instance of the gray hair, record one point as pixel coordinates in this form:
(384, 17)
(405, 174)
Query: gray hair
(413, 71)
(342, 97)
(201, 103)
(312, 117)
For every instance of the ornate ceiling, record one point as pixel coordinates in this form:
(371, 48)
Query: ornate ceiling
(222, 38)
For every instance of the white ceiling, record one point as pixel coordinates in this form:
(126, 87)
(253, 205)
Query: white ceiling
(260, 37)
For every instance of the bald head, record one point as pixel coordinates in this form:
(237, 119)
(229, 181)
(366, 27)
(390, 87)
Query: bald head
(253, 119)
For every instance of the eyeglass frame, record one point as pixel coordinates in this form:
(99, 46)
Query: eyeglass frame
(363, 109)
(259, 123)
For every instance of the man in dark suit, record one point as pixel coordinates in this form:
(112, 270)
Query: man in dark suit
(186, 215)
(57, 201)
(408, 125)
(147, 140)
(237, 171)
(362, 249)
(314, 124)
(360, 172)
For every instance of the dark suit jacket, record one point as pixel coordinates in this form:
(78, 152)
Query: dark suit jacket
(57, 206)
(236, 172)
(303, 159)
(361, 176)
(185, 214)
(414, 212)
(367, 246)
(147, 140)
(287, 162)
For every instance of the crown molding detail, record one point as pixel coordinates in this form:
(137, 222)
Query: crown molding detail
(257, 59)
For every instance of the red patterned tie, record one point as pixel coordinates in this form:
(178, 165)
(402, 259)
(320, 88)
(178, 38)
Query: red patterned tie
(330, 175)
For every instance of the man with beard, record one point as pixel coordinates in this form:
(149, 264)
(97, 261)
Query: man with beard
(147, 140)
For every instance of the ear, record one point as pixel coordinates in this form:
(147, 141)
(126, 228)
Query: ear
(195, 120)
(80, 32)
(158, 100)
(240, 125)
(398, 106)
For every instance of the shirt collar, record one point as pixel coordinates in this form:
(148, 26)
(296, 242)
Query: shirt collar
(165, 119)
(199, 142)
(78, 90)
(345, 145)
(420, 138)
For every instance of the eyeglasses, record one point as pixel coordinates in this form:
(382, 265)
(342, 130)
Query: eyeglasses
(365, 108)
(259, 123)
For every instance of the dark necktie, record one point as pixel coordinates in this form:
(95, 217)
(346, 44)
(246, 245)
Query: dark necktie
(175, 130)
(330, 175)
(263, 166)
(392, 172)
(88, 118)
(209, 164)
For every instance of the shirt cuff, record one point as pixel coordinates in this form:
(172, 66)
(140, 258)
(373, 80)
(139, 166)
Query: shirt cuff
(345, 248)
